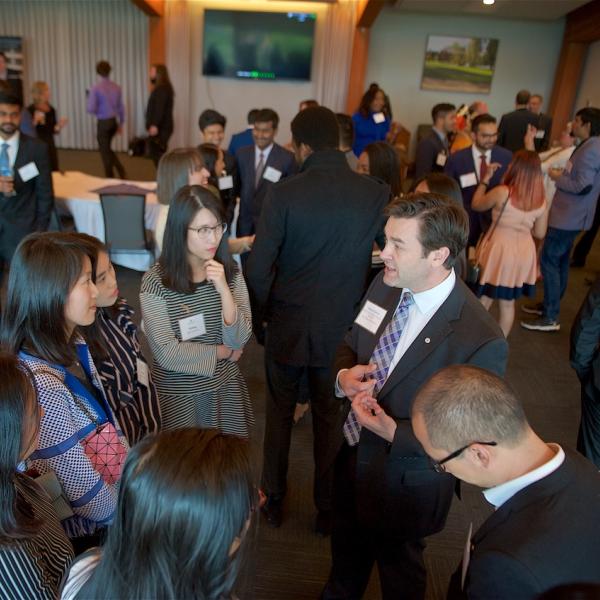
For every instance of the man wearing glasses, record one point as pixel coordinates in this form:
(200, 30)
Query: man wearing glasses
(544, 531)
(416, 318)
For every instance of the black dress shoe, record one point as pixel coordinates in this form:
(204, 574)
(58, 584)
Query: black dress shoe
(323, 523)
(273, 510)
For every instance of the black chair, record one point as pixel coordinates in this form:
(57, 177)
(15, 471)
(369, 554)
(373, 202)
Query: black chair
(124, 225)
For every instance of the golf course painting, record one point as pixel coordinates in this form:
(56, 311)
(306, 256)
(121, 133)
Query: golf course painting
(459, 64)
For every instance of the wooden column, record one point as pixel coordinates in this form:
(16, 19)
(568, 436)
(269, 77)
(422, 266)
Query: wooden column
(155, 9)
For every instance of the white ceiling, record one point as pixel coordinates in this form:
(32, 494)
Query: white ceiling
(545, 10)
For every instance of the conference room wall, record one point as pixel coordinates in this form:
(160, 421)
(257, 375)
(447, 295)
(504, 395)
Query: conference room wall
(527, 56)
(589, 87)
(62, 42)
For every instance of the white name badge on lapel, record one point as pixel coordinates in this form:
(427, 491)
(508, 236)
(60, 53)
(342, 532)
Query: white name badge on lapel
(272, 174)
(142, 372)
(371, 316)
(226, 183)
(192, 327)
(29, 171)
(379, 117)
(539, 134)
(441, 159)
(468, 180)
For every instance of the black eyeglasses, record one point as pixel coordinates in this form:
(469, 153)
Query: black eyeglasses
(206, 232)
(439, 467)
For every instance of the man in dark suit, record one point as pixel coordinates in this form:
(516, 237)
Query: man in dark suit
(416, 318)
(544, 125)
(306, 274)
(26, 198)
(468, 167)
(433, 150)
(243, 138)
(544, 531)
(259, 167)
(513, 125)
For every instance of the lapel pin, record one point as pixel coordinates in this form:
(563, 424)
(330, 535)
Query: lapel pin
(427, 340)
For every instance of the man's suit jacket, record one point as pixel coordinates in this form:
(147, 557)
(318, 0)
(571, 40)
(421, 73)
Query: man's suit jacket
(577, 191)
(398, 494)
(513, 127)
(251, 198)
(239, 140)
(544, 125)
(30, 208)
(427, 152)
(309, 265)
(544, 536)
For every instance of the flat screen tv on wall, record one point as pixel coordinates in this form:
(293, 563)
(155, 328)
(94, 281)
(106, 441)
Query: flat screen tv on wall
(258, 45)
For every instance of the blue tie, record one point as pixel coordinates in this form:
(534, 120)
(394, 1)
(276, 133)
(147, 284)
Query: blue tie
(5, 170)
(382, 356)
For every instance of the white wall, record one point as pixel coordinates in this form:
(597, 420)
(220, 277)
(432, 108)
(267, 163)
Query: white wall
(589, 86)
(527, 56)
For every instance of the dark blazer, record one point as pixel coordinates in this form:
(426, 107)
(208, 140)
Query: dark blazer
(251, 199)
(398, 494)
(159, 112)
(239, 140)
(545, 125)
(544, 536)
(30, 209)
(427, 152)
(513, 127)
(309, 264)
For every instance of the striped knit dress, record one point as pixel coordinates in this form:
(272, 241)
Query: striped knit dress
(194, 388)
(34, 567)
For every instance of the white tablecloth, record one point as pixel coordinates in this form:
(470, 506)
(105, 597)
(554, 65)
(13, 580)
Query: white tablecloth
(73, 195)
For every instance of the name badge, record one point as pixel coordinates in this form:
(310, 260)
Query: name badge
(142, 372)
(192, 327)
(539, 134)
(272, 174)
(379, 117)
(29, 171)
(371, 316)
(226, 183)
(468, 180)
(441, 159)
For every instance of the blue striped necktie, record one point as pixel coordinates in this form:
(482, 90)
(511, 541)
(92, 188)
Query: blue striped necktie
(5, 170)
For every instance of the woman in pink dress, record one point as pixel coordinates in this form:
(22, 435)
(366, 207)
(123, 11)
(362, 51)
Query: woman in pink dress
(507, 253)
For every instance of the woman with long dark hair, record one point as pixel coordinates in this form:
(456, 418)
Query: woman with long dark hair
(35, 553)
(185, 505)
(50, 296)
(159, 112)
(372, 119)
(197, 319)
(381, 160)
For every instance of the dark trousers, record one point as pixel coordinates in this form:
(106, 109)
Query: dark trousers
(584, 245)
(554, 263)
(354, 550)
(588, 439)
(283, 384)
(106, 130)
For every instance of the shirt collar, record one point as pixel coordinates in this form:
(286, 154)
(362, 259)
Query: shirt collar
(265, 152)
(13, 142)
(477, 153)
(500, 494)
(430, 299)
(440, 134)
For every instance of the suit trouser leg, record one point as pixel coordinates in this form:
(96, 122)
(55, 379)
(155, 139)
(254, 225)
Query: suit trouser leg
(106, 130)
(588, 439)
(402, 570)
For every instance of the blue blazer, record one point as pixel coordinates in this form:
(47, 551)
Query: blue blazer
(239, 140)
(251, 199)
(367, 131)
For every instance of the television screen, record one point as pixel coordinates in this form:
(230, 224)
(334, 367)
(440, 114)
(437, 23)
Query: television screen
(258, 45)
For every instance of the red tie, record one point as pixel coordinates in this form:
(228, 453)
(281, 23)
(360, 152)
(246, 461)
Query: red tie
(482, 168)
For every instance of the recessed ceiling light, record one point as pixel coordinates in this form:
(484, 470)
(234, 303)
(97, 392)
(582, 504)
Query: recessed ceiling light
(489, 2)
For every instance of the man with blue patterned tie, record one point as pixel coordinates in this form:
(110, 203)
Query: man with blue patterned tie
(416, 318)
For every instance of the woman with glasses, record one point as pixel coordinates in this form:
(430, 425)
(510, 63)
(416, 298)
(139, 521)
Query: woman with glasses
(197, 318)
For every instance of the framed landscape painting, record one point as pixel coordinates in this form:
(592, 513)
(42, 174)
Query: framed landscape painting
(459, 64)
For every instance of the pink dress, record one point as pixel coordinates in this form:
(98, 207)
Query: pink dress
(508, 259)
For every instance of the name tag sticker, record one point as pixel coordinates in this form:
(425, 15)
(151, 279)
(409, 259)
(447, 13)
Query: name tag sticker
(371, 316)
(142, 372)
(468, 180)
(379, 117)
(29, 171)
(539, 134)
(272, 174)
(441, 159)
(226, 183)
(192, 327)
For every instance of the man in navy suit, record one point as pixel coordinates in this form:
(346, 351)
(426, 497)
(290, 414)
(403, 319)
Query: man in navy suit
(259, 167)
(434, 148)
(243, 138)
(469, 165)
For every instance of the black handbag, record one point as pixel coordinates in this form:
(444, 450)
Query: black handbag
(138, 146)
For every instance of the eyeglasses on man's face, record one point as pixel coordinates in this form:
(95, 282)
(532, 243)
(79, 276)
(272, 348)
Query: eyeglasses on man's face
(205, 232)
(439, 466)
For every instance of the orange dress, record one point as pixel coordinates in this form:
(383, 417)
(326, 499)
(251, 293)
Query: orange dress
(508, 259)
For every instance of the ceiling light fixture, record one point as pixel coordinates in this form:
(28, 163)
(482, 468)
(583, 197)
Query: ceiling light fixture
(489, 2)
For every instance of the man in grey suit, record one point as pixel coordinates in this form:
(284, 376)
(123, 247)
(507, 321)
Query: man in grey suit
(573, 207)
(416, 318)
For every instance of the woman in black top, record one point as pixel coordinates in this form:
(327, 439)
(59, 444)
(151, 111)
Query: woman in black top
(159, 112)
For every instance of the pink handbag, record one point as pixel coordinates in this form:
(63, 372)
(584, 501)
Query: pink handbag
(105, 451)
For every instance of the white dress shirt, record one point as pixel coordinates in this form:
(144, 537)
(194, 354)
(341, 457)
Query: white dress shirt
(265, 153)
(477, 158)
(500, 494)
(13, 148)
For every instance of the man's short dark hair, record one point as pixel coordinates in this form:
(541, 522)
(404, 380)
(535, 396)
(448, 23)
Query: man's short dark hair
(7, 96)
(210, 117)
(442, 223)
(346, 127)
(317, 127)
(251, 117)
(523, 97)
(440, 110)
(482, 120)
(462, 404)
(103, 68)
(267, 115)
(590, 115)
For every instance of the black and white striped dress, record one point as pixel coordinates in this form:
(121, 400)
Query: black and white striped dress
(194, 388)
(34, 567)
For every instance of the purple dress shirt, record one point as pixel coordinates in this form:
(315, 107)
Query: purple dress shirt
(105, 101)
